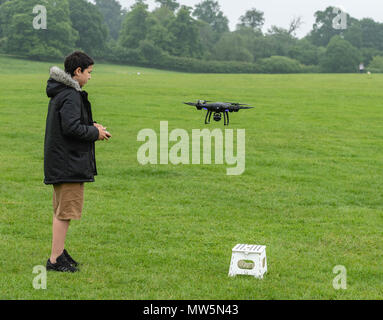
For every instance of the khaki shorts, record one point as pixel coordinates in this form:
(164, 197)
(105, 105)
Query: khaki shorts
(68, 200)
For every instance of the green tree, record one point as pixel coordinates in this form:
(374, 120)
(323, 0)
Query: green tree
(21, 38)
(1, 25)
(354, 34)
(367, 54)
(264, 47)
(323, 29)
(158, 34)
(89, 23)
(253, 19)
(376, 64)
(186, 36)
(172, 5)
(340, 56)
(232, 47)
(113, 15)
(211, 24)
(163, 15)
(372, 34)
(305, 52)
(281, 41)
(150, 52)
(134, 27)
(252, 41)
(365, 33)
(209, 11)
(208, 37)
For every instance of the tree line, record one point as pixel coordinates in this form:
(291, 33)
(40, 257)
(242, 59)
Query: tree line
(194, 39)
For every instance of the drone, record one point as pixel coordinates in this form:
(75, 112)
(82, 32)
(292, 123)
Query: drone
(218, 108)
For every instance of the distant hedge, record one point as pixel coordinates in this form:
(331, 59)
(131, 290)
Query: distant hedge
(147, 55)
(278, 64)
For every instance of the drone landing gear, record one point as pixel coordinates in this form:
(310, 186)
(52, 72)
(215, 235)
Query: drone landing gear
(226, 118)
(217, 117)
(208, 115)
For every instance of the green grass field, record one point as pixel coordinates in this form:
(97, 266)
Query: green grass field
(312, 190)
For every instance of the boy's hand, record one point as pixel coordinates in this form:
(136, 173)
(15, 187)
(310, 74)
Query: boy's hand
(97, 125)
(102, 133)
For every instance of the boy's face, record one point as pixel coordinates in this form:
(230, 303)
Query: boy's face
(83, 77)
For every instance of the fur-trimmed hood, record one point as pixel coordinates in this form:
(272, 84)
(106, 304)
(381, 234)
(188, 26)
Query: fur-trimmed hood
(59, 80)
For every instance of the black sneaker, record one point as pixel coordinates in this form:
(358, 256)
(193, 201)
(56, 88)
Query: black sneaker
(61, 265)
(70, 259)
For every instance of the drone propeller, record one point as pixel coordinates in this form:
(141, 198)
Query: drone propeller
(199, 102)
(236, 104)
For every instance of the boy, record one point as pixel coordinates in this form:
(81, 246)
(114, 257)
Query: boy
(69, 152)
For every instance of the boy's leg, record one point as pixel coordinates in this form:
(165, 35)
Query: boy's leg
(68, 201)
(59, 231)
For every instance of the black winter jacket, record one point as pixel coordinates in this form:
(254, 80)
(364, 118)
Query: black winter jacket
(69, 151)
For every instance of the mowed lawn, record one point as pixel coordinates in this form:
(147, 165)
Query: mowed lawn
(312, 190)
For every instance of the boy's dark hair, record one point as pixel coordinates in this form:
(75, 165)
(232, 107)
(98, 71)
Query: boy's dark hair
(75, 60)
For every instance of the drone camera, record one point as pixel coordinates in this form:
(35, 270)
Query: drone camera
(217, 116)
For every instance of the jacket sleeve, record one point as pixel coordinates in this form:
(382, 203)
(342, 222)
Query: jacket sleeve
(70, 115)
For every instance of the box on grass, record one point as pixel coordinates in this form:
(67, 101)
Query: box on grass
(248, 259)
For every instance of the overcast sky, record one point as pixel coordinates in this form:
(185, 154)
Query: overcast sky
(281, 12)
